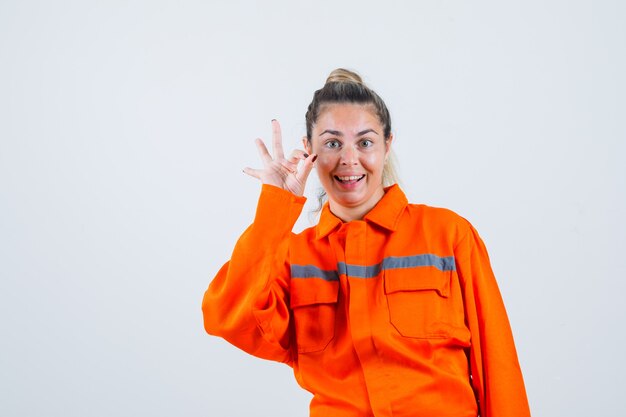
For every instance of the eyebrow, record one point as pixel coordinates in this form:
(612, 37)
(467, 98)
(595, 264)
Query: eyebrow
(338, 133)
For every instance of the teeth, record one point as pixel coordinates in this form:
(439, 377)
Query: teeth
(350, 178)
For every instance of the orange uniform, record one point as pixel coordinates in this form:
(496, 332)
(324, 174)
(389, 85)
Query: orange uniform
(398, 314)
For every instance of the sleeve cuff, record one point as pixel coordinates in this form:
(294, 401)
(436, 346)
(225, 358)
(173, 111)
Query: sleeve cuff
(277, 209)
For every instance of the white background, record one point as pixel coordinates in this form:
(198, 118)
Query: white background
(124, 127)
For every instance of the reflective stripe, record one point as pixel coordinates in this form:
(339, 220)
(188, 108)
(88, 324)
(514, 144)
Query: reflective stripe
(441, 263)
(311, 271)
(360, 271)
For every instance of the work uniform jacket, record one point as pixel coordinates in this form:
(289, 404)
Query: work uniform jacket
(397, 314)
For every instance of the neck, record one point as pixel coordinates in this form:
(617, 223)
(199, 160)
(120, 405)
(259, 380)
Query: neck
(349, 213)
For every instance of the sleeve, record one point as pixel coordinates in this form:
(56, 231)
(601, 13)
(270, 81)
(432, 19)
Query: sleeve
(496, 374)
(247, 303)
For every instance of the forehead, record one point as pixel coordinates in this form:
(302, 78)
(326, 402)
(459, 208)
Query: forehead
(347, 118)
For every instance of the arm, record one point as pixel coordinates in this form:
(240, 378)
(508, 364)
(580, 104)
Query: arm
(247, 302)
(495, 370)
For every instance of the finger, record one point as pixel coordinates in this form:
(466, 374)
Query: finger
(305, 169)
(256, 173)
(263, 152)
(277, 140)
(298, 155)
(291, 164)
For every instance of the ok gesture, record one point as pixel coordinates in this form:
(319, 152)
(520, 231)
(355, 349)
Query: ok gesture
(280, 171)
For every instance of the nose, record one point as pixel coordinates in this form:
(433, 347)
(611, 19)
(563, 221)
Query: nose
(349, 156)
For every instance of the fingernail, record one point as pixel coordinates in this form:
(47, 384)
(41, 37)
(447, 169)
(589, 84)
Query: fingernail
(306, 155)
(314, 158)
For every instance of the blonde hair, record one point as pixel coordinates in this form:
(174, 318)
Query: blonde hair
(340, 75)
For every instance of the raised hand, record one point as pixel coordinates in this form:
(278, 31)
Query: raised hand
(280, 171)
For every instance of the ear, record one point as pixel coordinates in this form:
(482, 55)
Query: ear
(388, 145)
(307, 145)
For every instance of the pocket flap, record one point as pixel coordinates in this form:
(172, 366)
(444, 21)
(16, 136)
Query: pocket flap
(309, 291)
(417, 279)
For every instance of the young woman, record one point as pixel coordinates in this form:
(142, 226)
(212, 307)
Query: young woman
(384, 308)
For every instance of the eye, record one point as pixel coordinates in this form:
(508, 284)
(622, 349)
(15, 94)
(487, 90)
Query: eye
(333, 144)
(366, 143)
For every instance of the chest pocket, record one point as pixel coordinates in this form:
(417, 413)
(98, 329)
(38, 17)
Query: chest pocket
(418, 301)
(314, 306)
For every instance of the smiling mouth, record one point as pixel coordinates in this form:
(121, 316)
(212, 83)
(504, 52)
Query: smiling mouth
(351, 179)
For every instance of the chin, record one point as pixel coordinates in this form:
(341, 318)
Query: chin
(349, 201)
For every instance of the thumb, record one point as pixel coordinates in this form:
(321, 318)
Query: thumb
(306, 168)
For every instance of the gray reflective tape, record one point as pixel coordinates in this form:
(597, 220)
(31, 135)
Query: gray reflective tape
(441, 263)
(370, 271)
(359, 271)
(311, 271)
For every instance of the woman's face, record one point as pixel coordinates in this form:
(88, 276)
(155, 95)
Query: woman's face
(351, 151)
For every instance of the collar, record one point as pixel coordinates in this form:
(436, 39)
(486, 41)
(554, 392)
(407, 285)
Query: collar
(386, 213)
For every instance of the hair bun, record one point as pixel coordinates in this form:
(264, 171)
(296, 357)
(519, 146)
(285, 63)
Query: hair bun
(341, 75)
